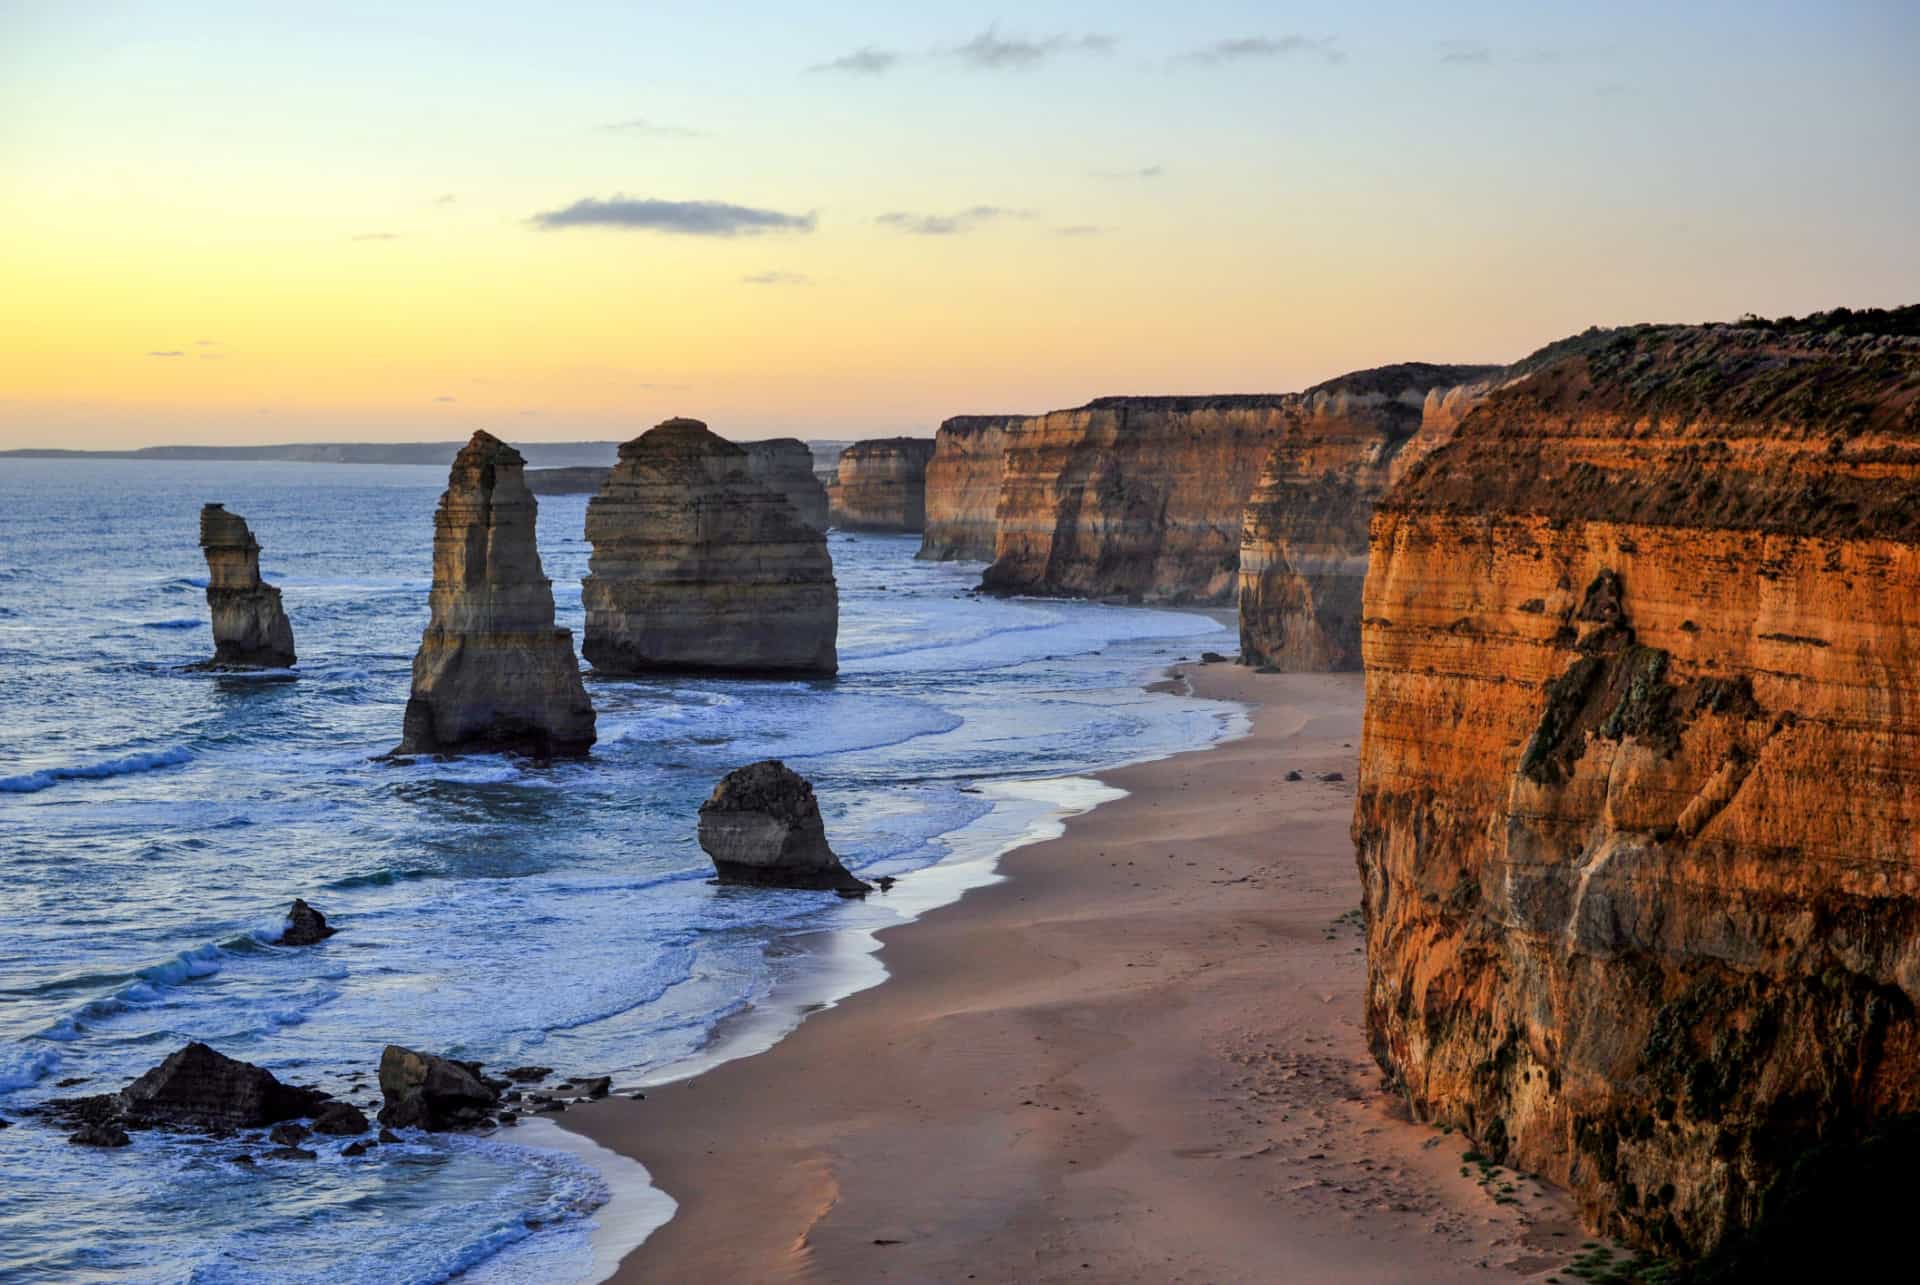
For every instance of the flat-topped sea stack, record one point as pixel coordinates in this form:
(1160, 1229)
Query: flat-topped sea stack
(1639, 802)
(493, 673)
(963, 486)
(881, 485)
(699, 567)
(785, 464)
(1138, 498)
(250, 628)
(1303, 542)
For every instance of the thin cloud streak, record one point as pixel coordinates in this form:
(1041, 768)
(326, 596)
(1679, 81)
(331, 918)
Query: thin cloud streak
(864, 61)
(1245, 48)
(948, 224)
(377, 236)
(1079, 230)
(673, 218)
(777, 279)
(170, 352)
(1144, 172)
(990, 51)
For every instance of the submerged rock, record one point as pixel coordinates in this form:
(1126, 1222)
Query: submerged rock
(305, 926)
(493, 674)
(250, 629)
(423, 1091)
(200, 1087)
(340, 1120)
(699, 567)
(762, 826)
(100, 1135)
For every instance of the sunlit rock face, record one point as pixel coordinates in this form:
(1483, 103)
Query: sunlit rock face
(1640, 777)
(1303, 540)
(250, 628)
(493, 673)
(785, 464)
(881, 485)
(697, 566)
(963, 487)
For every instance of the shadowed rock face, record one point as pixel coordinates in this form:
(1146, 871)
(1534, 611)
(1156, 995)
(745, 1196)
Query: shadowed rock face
(424, 1091)
(1303, 543)
(582, 480)
(201, 1087)
(493, 674)
(697, 566)
(1638, 797)
(963, 486)
(762, 826)
(881, 485)
(785, 464)
(249, 626)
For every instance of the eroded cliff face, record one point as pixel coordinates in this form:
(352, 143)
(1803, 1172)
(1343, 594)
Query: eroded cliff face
(963, 486)
(881, 485)
(1303, 540)
(697, 566)
(250, 628)
(785, 464)
(493, 673)
(1639, 809)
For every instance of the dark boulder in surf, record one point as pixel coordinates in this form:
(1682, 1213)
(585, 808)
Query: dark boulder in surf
(422, 1091)
(201, 1088)
(762, 826)
(305, 926)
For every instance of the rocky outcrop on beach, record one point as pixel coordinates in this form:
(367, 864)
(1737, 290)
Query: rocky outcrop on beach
(963, 486)
(250, 628)
(762, 826)
(1638, 788)
(493, 673)
(1303, 542)
(699, 567)
(199, 1087)
(785, 464)
(424, 1091)
(305, 926)
(566, 481)
(881, 485)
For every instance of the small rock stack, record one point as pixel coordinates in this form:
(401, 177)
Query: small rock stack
(250, 628)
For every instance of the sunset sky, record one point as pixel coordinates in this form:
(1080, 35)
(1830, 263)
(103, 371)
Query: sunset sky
(250, 222)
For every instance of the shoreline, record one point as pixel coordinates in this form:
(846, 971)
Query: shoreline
(1132, 1054)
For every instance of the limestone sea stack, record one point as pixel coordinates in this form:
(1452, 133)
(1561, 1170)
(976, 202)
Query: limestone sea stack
(963, 486)
(1640, 776)
(250, 629)
(881, 485)
(785, 464)
(493, 673)
(762, 826)
(1303, 542)
(698, 567)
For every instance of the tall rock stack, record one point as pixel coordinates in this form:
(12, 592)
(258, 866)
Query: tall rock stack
(698, 567)
(963, 486)
(493, 674)
(882, 485)
(1640, 777)
(250, 629)
(1303, 543)
(785, 464)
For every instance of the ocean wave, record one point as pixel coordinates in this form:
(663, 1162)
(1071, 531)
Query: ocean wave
(184, 584)
(143, 988)
(22, 1067)
(192, 623)
(46, 778)
(381, 878)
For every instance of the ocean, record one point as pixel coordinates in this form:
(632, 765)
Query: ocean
(155, 823)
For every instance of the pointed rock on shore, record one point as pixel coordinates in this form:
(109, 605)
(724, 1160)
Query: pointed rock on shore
(493, 673)
(762, 826)
(199, 1086)
(698, 567)
(250, 628)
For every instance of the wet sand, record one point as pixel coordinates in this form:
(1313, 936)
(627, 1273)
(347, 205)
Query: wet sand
(1137, 1058)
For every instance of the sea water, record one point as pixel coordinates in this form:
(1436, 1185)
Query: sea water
(155, 822)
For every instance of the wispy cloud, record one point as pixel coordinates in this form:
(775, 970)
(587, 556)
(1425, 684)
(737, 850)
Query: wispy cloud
(170, 352)
(445, 198)
(1465, 53)
(948, 224)
(1079, 230)
(1144, 172)
(444, 398)
(650, 129)
(205, 343)
(677, 218)
(377, 236)
(777, 279)
(991, 51)
(1244, 48)
(864, 61)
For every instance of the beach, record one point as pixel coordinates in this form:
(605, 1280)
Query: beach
(1138, 1056)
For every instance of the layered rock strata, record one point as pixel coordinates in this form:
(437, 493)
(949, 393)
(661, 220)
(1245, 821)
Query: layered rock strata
(881, 485)
(1303, 541)
(697, 566)
(785, 464)
(250, 628)
(493, 673)
(1640, 778)
(963, 486)
(762, 826)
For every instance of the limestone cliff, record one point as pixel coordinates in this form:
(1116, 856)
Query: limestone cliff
(250, 627)
(785, 464)
(881, 485)
(1640, 777)
(1303, 541)
(493, 673)
(581, 480)
(697, 566)
(963, 486)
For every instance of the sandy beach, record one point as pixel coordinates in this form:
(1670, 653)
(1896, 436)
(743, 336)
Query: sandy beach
(1137, 1058)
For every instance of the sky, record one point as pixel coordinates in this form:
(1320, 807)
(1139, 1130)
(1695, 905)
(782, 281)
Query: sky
(248, 222)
